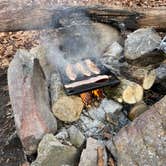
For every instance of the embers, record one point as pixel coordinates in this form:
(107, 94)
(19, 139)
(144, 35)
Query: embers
(92, 97)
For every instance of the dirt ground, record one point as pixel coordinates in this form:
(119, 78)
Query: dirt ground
(11, 152)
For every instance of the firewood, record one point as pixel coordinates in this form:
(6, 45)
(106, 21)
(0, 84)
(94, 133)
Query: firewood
(127, 91)
(100, 154)
(144, 76)
(149, 79)
(40, 14)
(137, 109)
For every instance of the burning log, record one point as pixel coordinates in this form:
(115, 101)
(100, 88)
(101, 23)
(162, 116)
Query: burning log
(41, 14)
(144, 76)
(127, 91)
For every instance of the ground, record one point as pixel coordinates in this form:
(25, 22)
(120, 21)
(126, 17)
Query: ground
(11, 152)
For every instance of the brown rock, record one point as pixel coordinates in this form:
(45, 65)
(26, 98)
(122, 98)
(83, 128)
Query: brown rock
(68, 108)
(143, 141)
(30, 100)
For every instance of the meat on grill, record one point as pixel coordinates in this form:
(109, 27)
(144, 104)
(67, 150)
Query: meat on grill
(88, 81)
(92, 67)
(83, 70)
(70, 72)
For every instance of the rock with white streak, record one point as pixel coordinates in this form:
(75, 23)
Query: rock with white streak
(30, 100)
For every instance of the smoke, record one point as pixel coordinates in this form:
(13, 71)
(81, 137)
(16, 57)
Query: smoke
(71, 44)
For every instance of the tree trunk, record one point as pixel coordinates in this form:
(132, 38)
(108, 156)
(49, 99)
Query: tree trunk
(39, 14)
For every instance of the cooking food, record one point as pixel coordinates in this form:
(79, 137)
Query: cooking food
(92, 67)
(70, 72)
(83, 70)
(88, 81)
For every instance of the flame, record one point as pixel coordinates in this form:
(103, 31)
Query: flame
(88, 97)
(98, 93)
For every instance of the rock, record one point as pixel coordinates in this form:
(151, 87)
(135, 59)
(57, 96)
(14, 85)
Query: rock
(143, 141)
(161, 73)
(62, 135)
(137, 110)
(40, 52)
(161, 76)
(89, 156)
(30, 100)
(76, 137)
(112, 57)
(51, 152)
(90, 127)
(56, 87)
(106, 107)
(68, 108)
(163, 45)
(141, 42)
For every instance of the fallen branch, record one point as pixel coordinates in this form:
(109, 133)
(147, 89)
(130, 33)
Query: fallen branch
(100, 154)
(20, 15)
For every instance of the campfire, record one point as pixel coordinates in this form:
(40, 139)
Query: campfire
(83, 83)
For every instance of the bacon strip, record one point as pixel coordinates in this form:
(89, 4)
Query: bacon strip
(70, 73)
(82, 69)
(88, 81)
(92, 67)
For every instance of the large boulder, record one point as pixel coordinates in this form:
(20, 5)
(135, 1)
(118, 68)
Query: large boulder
(51, 152)
(143, 141)
(141, 42)
(30, 100)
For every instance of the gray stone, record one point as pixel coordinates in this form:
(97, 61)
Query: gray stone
(30, 100)
(89, 126)
(68, 108)
(62, 135)
(76, 137)
(106, 107)
(56, 87)
(142, 142)
(161, 72)
(51, 152)
(141, 42)
(161, 76)
(112, 56)
(89, 156)
(163, 45)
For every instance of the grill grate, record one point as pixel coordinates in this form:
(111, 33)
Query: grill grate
(84, 83)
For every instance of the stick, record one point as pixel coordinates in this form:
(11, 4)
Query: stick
(100, 154)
